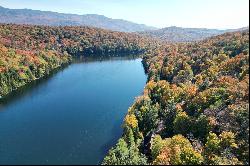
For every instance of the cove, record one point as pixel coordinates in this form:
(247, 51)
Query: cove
(73, 116)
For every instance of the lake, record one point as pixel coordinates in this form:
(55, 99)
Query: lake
(73, 116)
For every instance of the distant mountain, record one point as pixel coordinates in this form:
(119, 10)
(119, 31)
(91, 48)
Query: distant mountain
(178, 34)
(37, 17)
(239, 29)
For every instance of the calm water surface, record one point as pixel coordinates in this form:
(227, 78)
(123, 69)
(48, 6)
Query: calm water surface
(72, 117)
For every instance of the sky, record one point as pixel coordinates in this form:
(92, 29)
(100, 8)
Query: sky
(218, 14)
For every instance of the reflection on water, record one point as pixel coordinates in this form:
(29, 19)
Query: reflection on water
(30, 87)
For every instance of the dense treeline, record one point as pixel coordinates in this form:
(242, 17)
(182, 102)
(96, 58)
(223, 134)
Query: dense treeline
(195, 106)
(72, 39)
(18, 67)
(30, 52)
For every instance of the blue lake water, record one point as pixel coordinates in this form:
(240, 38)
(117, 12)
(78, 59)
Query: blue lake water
(71, 117)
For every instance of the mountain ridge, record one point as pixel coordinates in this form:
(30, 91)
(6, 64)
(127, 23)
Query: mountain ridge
(38, 17)
(50, 18)
(180, 34)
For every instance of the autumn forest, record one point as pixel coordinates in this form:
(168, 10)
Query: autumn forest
(194, 109)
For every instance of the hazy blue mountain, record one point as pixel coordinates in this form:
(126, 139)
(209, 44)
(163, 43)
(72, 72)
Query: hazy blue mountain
(37, 17)
(178, 34)
(240, 29)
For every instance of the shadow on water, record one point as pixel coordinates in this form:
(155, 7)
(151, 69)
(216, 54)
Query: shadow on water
(112, 142)
(89, 59)
(27, 89)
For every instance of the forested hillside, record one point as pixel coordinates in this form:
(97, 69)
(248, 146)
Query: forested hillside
(18, 67)
(195, 106)
(30, 52)
(75, 40)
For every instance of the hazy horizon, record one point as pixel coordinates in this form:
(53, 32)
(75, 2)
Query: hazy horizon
(223, 14)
